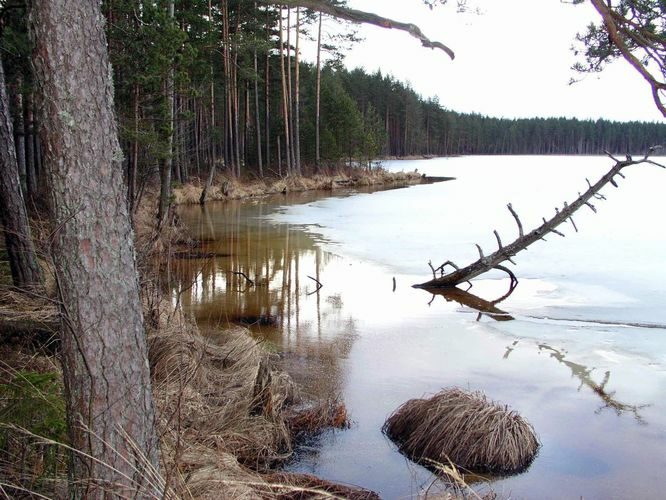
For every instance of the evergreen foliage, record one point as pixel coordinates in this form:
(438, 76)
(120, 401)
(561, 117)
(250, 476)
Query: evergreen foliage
(222, 118)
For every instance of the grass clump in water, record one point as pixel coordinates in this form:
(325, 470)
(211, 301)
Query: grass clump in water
(464, 428)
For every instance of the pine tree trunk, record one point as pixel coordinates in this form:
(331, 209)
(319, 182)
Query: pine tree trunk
(30, 150)
(290, 98)
(285, 99)
(257, 119)
(297, 98)
(103, 349)
(236, 103)
(19, 133)
(213, 152)
(267, 102)
(20, 249)
(318, 100)
(134, 159)
(166, 164)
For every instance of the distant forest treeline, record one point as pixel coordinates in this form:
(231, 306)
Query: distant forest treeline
(415, 126)
(200, 83)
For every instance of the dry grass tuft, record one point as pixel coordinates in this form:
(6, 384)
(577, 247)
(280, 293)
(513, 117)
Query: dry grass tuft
(18, 306)
(328, 414)
(224, 416)
(464, 428)
(289, 486)
(225, 395)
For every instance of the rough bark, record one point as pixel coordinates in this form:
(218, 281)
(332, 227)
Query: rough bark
(133, 164)
(30, 151)
(104, 356)
(20, 249)
(505, 253)
(19, 132)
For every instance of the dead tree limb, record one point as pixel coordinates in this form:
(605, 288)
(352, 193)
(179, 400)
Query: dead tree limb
(241, 273)
(319, 285)
(359, 16)
(505, 253)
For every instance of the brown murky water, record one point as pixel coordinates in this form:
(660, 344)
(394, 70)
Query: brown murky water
(579, 348)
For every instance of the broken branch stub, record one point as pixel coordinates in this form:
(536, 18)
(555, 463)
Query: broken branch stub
(504, 253)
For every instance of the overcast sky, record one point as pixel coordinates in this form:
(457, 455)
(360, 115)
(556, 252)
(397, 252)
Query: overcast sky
(512, 60)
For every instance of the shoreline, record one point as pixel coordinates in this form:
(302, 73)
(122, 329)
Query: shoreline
(226, 188)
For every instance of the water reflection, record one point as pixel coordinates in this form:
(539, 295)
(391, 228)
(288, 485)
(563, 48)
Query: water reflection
(584, 374)
(377, 342)
(267, 277)
(465, 298)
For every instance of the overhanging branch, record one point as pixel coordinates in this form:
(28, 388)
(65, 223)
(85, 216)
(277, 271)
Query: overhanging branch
(362, 17)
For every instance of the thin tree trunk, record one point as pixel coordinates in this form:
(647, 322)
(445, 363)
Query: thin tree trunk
(290, 98)
(267, 102)
(236, 102)
(30, 150)
(134, 160)
(103, 349)
(13, 216)
(285, 98)
(213, 155)
(19, 132)
(297, 97)
(166, 164)
(279, 155)
(257, 120)
(228, 91)
(318, 100)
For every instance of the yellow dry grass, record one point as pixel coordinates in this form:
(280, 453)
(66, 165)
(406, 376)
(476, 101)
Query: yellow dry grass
(229, 188)
(464, 428)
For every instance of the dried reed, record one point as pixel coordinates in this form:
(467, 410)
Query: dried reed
(327, 414)
(233, 189)
(465, 428)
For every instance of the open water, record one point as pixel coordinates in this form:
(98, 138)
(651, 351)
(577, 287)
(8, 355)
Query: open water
(582, 356)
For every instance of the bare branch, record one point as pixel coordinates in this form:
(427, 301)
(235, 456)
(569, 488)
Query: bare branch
(573, 223)
(240, 273)
(515, 216)
(481, 256)
(651, 162)
(499, 241)
(359, 16)
(618, 36)
(320, 286)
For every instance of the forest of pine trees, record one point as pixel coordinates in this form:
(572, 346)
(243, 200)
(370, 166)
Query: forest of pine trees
(218, 84)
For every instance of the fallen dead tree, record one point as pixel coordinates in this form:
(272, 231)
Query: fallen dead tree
(506, 253)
